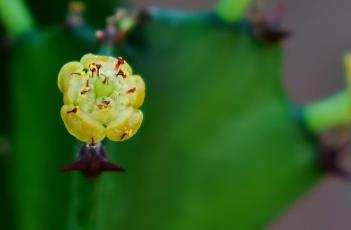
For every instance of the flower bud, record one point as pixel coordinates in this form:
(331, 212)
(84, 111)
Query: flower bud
(101, 98)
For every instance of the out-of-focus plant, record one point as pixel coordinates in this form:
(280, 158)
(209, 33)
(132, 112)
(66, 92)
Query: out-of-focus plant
(219, 148)
(334, 111)
(331, 117)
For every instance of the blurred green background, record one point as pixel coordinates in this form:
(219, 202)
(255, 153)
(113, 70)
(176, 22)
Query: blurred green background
(219, 147)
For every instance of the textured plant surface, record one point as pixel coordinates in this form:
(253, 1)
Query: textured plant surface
(219, 148)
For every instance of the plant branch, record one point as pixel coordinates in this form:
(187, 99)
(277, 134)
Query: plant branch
(85, 193)
(328, 113)
(15, 17)
(231, 11)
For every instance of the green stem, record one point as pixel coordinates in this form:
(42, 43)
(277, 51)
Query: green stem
(15, 17)
(231, 11)
(84, 208)
(332, 112)
(106, 50)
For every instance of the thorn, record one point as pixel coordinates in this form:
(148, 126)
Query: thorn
(329, 159)
(78, 165)
(108, 166)
(92, 161)
(144, 16)
(270, 34)
(267, 27)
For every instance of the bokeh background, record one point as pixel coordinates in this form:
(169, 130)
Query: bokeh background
(313, 69)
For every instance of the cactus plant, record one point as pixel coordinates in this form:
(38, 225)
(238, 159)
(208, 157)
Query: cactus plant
(219, 147)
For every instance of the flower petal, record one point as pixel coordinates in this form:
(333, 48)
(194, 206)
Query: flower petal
(108, 63)
(72, 91)
(81, 126)
(137, 97)
(125, 127)
(66, 72)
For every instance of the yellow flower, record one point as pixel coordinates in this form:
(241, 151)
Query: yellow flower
(101, 98)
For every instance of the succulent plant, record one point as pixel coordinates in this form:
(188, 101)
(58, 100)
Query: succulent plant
(220, 148)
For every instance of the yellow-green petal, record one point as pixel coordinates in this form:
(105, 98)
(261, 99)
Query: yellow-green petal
(66, 73)
(136, 98)
(82, 126)
(125, 127)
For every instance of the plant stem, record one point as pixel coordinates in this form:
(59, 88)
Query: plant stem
(328, 113)
(84, 203)
(106, 50)
(231, 11)
(85, 190)
(15, 17)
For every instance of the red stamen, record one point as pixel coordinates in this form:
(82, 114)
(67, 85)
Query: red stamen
(123, 136)
(92, 68)
(120, 61)
(103, 105)
(121, 73)
(98, 66)
(84, 91)
(75, 110)
(100, 106)
(132, 90)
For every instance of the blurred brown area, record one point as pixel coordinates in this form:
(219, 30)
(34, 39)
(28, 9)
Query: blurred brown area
(313, 69)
